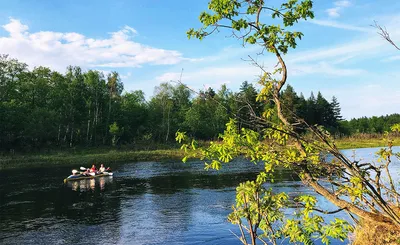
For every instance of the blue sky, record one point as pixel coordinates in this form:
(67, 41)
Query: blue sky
(146, 42)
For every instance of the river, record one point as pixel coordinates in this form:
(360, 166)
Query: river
(144, 203)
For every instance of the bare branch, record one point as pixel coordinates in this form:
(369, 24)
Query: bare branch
(385, 34)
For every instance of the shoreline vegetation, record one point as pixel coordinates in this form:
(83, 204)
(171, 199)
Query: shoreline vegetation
(109, 155)
(42, 108)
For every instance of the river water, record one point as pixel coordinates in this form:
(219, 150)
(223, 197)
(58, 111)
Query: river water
(144, 203)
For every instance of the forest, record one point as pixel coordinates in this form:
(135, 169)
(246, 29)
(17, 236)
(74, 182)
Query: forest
(41, 109)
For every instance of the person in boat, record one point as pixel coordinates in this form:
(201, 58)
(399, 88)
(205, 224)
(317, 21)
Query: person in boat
(93, 169)
(74, 173)
(87, 172)
(104, 169)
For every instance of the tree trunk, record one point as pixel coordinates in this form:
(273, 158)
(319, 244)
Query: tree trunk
(108, 120)
(66, 133)
(72, 137)
(369, 216)
(365, 215)
(166, 137)
(93, 138)
(88, 128)
(59, 133)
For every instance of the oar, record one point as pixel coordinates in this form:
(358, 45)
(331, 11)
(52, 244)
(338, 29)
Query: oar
(84, 169)
(74, 171)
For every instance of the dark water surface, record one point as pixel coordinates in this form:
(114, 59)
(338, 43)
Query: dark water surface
(144, 203)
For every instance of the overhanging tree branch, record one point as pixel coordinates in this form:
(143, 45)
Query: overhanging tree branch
(385, 34)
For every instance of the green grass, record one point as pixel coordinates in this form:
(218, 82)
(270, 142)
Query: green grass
(352, 143)
(88, 156)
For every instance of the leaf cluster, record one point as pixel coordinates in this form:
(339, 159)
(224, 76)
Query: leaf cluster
(243, 18)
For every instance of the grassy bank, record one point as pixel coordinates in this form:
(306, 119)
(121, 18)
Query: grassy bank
(352, 143)
(86, 157)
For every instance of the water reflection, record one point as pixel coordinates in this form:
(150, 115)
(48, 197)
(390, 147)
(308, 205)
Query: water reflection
(90, 184)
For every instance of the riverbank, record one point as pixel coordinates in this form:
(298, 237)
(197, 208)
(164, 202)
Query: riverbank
(112, 156)
(86, 159)
(353, 143)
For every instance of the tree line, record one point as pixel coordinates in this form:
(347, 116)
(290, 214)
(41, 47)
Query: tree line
(369, 125)
(41, 108)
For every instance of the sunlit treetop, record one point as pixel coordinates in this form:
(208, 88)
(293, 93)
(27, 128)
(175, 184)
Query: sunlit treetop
(244, 18)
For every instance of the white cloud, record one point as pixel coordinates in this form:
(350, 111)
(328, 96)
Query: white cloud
(339, 6)
(58, 50)
(342, 4)
(126, 76)
(392, 58)
(169, 76)
(333, 12)
(359, 47)
(128, 29)
(343, 26)
(323, 68)
(15, 28)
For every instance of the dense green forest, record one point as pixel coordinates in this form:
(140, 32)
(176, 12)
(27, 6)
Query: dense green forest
(41, 108)
(369, 125)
